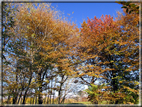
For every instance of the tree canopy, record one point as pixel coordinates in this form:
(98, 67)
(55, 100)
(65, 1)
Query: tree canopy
(43, 51)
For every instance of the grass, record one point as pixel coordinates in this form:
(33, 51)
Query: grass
(104, 102)
(84, 102)
(79, 103)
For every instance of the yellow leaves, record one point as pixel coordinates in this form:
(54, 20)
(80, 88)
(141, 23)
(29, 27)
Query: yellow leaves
(92, 56)
(82, 74)
(28, 27)
(78, 36)
(47, 81)
(33, 80)
(106, 62)
(41, 53)
(105, 87)
(136, 83)
(130, 89)
(90, 74)
(33, 35)
(90, 66)
(130, 103)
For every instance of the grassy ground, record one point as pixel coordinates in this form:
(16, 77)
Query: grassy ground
(80, 103)
(84, 102)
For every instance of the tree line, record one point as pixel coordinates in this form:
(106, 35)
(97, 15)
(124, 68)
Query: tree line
(42, 50)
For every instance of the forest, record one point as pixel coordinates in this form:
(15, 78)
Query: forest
(46, 57)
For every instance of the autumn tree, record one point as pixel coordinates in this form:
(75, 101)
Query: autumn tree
(110, 50)
(130, 38)
(19, 64)
(8, 13)
(92, 39)
(46, 35)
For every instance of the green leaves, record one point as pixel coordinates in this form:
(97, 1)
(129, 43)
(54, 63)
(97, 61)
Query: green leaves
(6, 63)
(130, 7)
(95, 93)
(28, 27)
(124, 7)
(33, 35)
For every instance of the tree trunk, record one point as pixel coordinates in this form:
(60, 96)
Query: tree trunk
(53, 99)
(60, 89)
(59, 95)
(63, 99)
(24, 98)
(8, 100)
(15, 98)
(19, 97)
(36, 100)
(48, 99)
(40, 100)
(15, 92)
(33, 100)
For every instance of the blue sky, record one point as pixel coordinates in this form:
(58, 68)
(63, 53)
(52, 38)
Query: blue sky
(84, 10)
